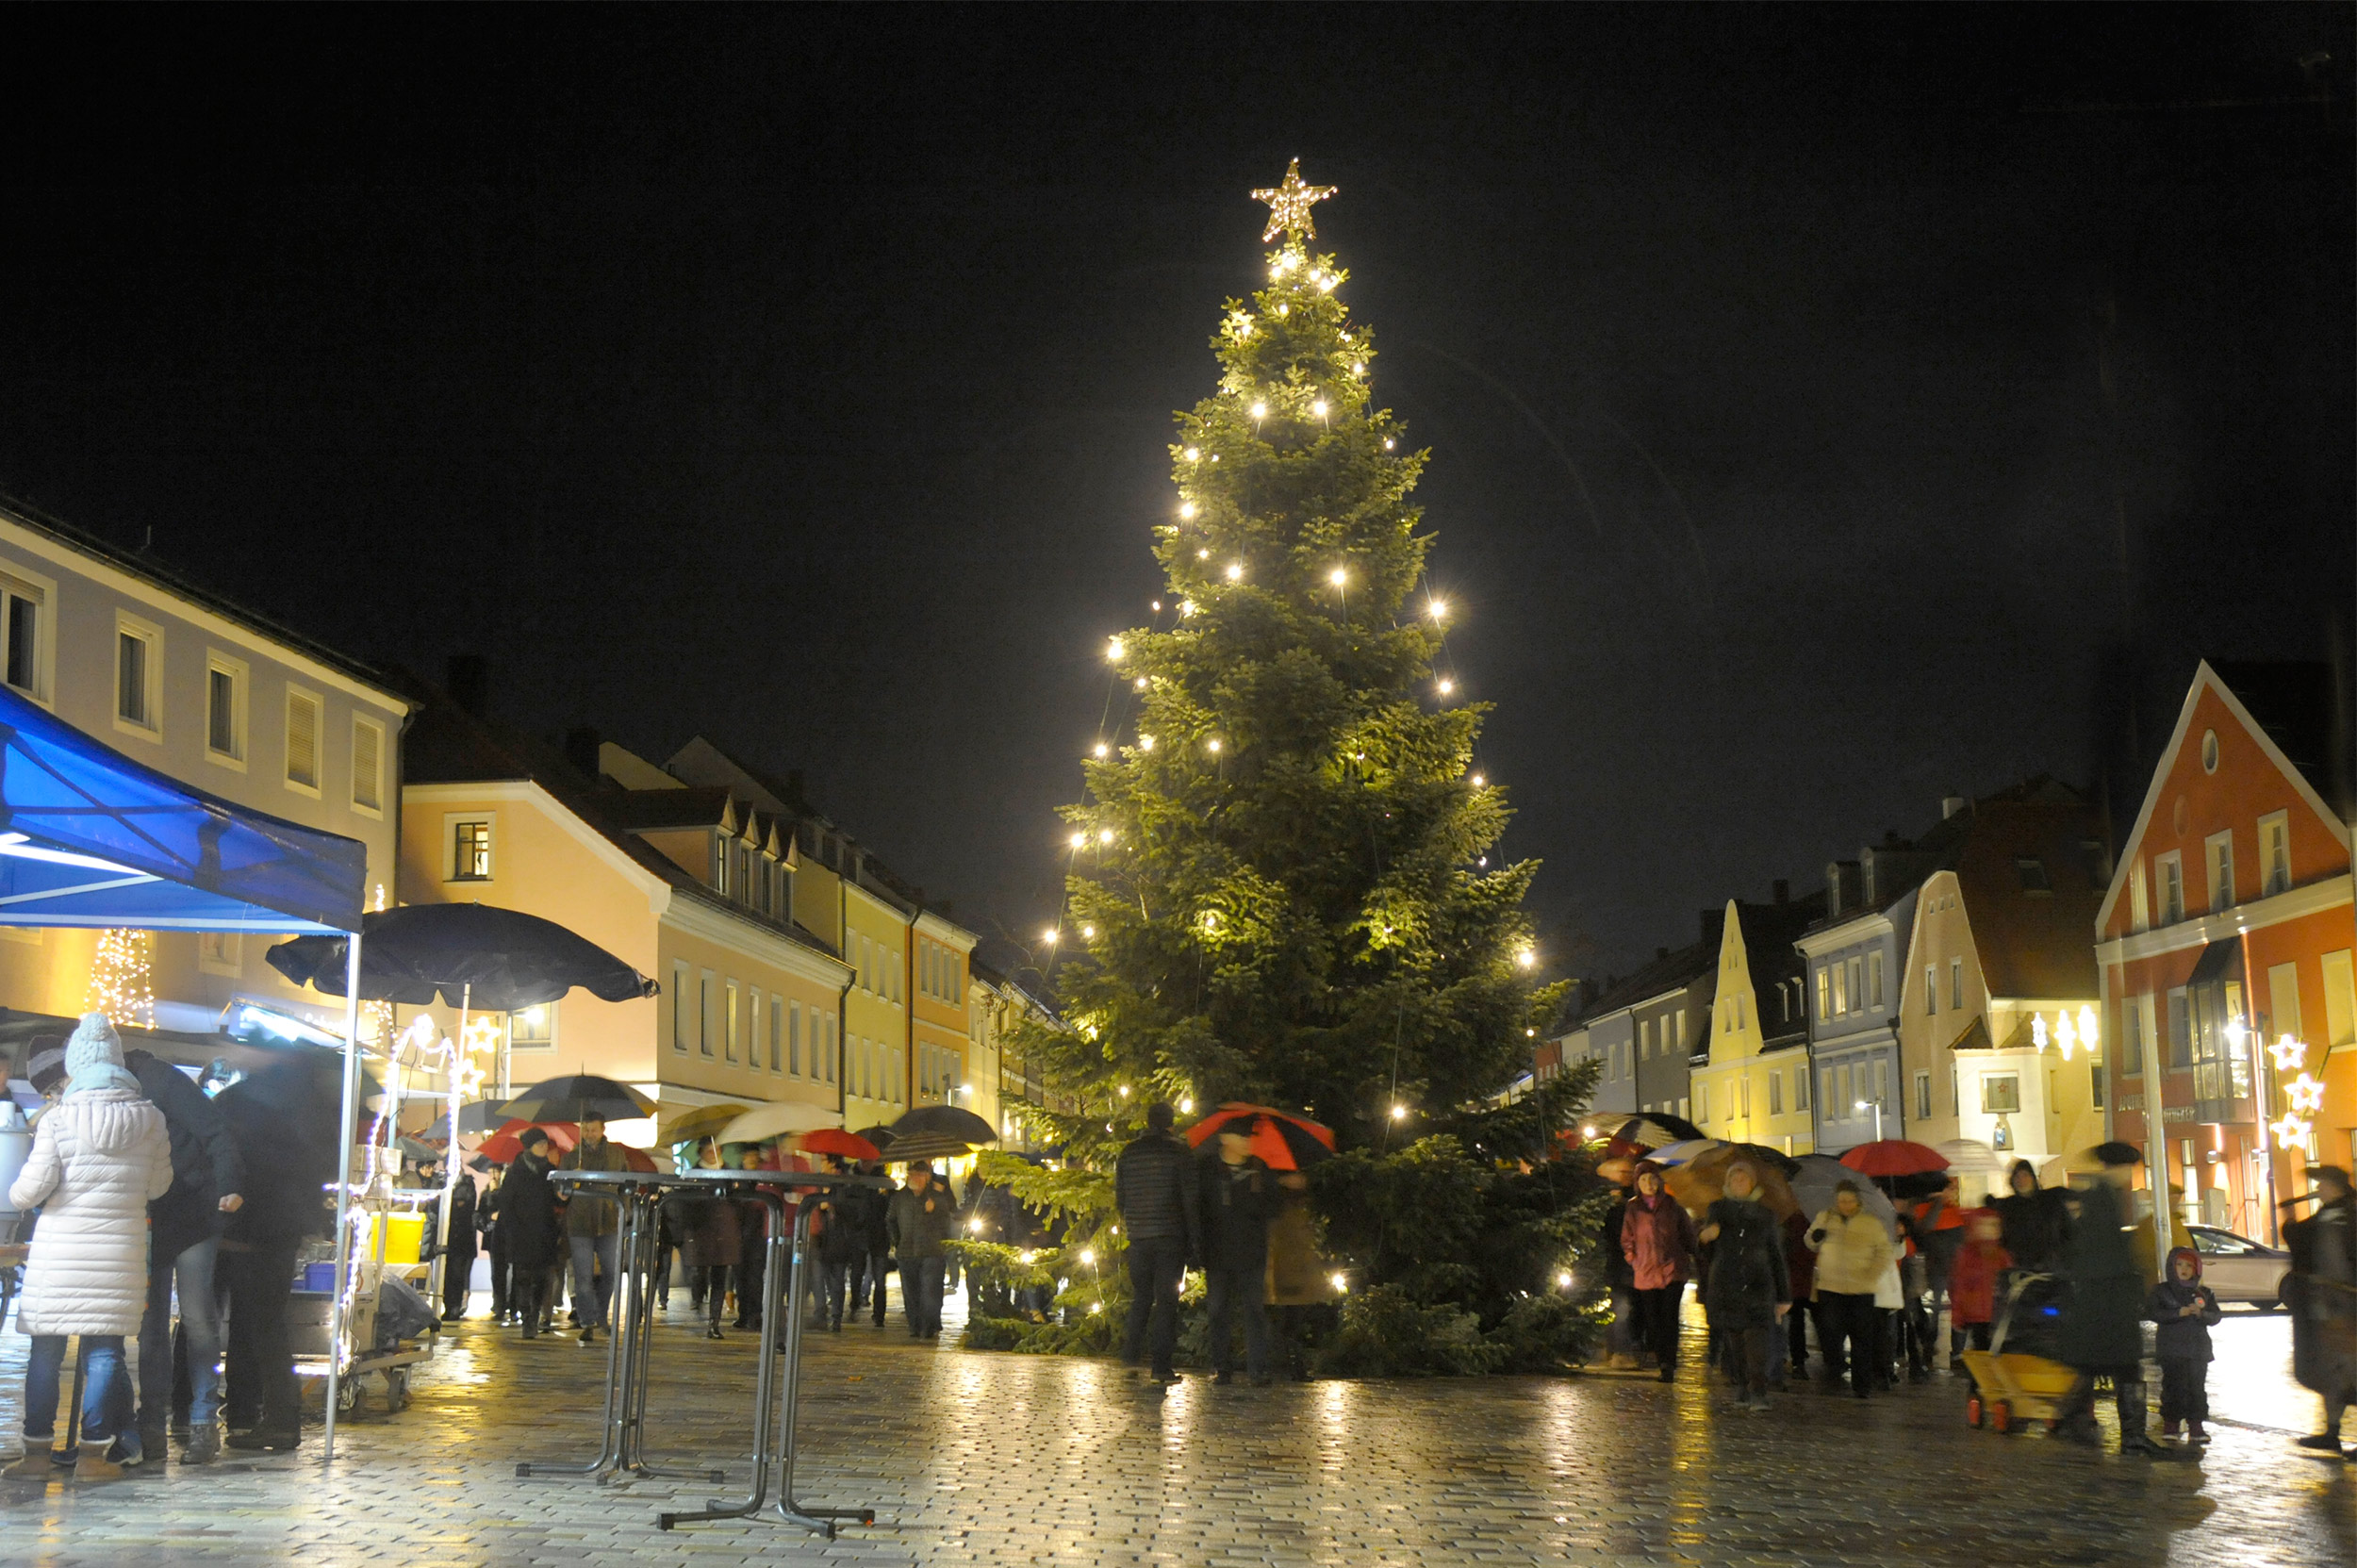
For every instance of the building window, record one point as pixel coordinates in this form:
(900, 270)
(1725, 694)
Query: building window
(2275, 854)
(533, 1027)
(1775, 1093)
(138, 672)
(2180, 1030)
(682, 995)
(2095, 1084)
(707, 1007)
(21, 626)
(1956, 986)
(2209, 750)
(2033, 874)
(1931, 990)
(777, 1035)
(2171, 871)
(303, 741)
(720, 864)
(794, 1039)
(834, 1045)
(1645, 1039)
(470, 850)
(2130, 1038)
(1681, 1029)
(2139, 900)
(2340, 1006)
(1800, 1088)
(1702, 1102)
(729, 1020)
(2218, 852)
(2001, 1094)
(1825, 994)
(1875, 979)
(225, 709)
(1923, 1096)
(368, 765)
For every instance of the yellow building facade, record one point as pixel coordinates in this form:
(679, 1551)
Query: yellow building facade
(1755, 1088)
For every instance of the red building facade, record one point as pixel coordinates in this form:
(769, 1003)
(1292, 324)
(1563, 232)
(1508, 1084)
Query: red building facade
(2224, 946)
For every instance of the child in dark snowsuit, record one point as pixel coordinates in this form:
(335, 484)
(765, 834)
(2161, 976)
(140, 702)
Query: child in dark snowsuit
(2185, 1308)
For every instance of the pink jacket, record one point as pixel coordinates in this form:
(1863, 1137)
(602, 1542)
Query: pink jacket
(1657, 1238)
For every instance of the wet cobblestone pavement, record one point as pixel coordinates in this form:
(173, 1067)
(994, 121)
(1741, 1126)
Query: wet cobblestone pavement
(993, 1459)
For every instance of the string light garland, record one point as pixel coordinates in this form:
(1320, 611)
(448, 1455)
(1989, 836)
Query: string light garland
(121, 979)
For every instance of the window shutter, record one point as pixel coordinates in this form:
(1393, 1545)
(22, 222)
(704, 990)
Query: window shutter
(366, 741)
(302, 740)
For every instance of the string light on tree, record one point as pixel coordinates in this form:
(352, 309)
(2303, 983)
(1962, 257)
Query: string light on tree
(121, 979)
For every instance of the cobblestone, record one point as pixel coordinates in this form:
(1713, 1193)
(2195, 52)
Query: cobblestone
(975, 1458)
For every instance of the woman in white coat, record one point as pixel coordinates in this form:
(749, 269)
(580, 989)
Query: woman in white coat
(100, 1156)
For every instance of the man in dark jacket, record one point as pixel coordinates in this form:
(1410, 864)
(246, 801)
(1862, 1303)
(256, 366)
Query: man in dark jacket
(1238, 1200)
(183, 1243)
(2102, 1325)
(2036, 1221)
(592, 1230)
(1155, 1189)
(282, 1121)
(527, 1217)
(458, 1249)
(842, 1247)
(923, 1216)
(868, 1210)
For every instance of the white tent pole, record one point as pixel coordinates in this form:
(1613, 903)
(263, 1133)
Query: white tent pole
(347, 1125)
(450, 1164)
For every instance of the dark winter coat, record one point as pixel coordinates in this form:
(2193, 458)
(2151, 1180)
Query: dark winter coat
(1155, 1189)
(709, 1229)
(921, 1222)
(283, 1122)
(842, 1226)
(461, 1234)
(2037, 1224)
(1799, 1263)
(1617, 1274)
(527, 1214)
(2179, 1337)
(2322, 1292)
(1747, 1275)
(206, 1167)
(1235, 1205)
(2102, 1322)
(869, 1212)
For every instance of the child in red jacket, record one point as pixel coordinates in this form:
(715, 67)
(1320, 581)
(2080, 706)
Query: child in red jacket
(1972, 1278)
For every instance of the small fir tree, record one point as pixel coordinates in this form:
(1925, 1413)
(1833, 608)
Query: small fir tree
(121, 983)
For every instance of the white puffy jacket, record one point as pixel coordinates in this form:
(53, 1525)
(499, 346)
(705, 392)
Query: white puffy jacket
(99, 1158)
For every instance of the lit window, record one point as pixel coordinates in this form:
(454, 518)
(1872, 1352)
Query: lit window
(2001, 1092)
(533, 1027)
(225, 709)
(21, 606)
(2275, 854)
(471, 851)
(727, 1036)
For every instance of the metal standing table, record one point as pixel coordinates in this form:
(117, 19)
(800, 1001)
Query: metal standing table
(774, 1444)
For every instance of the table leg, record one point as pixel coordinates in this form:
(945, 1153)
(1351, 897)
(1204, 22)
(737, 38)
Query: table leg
(638, 1272)
(610, 1452)
(764, 1380)
(818, 1521)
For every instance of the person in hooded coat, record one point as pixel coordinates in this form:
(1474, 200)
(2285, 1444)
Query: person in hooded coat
(2035, 1221)
(1748, 1288)
(100, 1156)
(2184, 1310)
(283, 1120)
(1658, 1244)
(2102, 1324)
(528, 1216)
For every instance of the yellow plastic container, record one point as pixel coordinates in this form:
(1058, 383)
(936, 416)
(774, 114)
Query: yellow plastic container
(404, 1237)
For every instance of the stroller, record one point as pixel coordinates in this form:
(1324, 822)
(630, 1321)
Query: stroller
(2017, 1379)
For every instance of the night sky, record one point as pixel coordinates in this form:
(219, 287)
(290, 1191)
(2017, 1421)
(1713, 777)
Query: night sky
(802, 378)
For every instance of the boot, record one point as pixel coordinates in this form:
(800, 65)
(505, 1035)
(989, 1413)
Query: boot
(94, 1464)
(204, 1444)
(38, 1463)
(2195, 1433)
(2134, 1413)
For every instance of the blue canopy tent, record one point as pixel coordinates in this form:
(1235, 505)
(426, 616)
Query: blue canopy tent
(92, 837)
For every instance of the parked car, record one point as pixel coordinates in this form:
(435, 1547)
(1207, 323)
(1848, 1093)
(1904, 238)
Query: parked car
(2239, 1269)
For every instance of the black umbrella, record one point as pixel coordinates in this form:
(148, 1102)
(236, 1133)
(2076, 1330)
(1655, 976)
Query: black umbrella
(1651, 1131)
(921, 1147)
(950, 1121)
(879, 1134)
(480, 1115)
(492, 960)
(579, 1095)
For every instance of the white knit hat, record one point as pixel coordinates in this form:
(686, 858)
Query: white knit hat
(93, 1056)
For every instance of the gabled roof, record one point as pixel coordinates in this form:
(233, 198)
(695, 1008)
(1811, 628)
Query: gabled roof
(1667, 972)
(2031, 943)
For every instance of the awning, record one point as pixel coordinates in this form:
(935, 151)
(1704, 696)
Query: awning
(2219, 961)
(90, 837)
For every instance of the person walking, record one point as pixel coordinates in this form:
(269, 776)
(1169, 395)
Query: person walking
(100, 1156)
(1621, 1342)
(1800, 1265)
(2185, 1309)
(1980, 1261)
(1657, 1243)
(711, 1237)
(527, 1213)
(2102, 1332)
(184, 1248)
(1155, 1192)
(923, 1216)
(1853, 1251)
(2322, 1291)
(873, 1214)
(1238, 1200)
(842, 1247)
(1300, 1285)
(1747, 1290)
(592, 1229)
(457, 1245)
(495, 1247)
(2035, 1221)
(283, 1120)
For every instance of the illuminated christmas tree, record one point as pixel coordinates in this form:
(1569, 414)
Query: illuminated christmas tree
(121, 981)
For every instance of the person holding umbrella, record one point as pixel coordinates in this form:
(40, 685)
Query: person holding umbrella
(922, 1219)
(1747, 1291)
(459, 1249)
(1657, 1244)
(592, 1227)
(1853, 1251)
(2102, 1325)
(1238, 1200)
(283, 1120)
(528, 1215)
(2035, 1221)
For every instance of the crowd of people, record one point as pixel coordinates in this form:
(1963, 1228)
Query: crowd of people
(1872, 1289)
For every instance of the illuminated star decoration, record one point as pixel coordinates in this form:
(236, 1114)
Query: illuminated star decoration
(2288, 1054)
(1289, 206)
(2304, 1094)
(2291, 1130)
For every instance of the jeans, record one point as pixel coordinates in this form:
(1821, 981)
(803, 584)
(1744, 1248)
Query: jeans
(1849, 1320)
(1157, 1264)
(200, 1320)
(1658, 1323)
(920, 1294)
(712, 1281)
(262, 1392)
(872, 1285)
(102, 1384)
(1747, 1358)
(834, 1284)
(592, 1295)
(1228, 1289)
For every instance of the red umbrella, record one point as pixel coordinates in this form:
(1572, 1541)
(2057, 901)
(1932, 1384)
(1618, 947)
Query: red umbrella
(833, 1140)
(1894, 1157)
(1283, 1141)
(502, 1147)
(636, 1159)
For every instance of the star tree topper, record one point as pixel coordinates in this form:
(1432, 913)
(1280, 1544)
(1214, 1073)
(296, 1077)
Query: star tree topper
(1289, 206)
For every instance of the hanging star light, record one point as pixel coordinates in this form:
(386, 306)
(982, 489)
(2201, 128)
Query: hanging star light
(481, 1036)
(2304, 1094)
(2291, 1130)
(2288, 1054)
(1289, 206)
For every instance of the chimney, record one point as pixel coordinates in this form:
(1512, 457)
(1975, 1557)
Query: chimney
(468, 679)
(1783, 891)
(1949, 805)
(581, 749)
